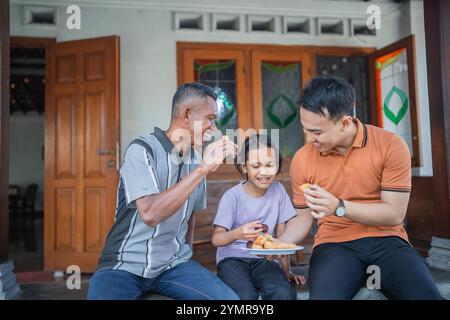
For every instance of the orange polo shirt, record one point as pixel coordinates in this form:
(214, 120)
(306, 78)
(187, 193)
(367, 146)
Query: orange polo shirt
(378, 160)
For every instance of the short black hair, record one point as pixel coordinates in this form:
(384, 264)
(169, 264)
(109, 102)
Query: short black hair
(256, 141)
(328, 93)
(191, 90)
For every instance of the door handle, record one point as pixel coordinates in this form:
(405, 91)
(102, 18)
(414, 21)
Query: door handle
(111, 163)
(105, 152)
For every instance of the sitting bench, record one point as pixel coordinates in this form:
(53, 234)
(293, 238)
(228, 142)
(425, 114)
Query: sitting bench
(442, 280)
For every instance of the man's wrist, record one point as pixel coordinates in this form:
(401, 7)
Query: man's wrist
(203, 170)
(336, 206)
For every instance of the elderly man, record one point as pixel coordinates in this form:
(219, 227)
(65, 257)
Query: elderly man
(162, 182)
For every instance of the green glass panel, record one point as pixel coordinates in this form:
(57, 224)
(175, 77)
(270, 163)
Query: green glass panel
(221, 76)
(281, 89)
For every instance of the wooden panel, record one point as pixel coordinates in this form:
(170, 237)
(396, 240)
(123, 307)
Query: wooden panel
(65, 68)
(65, 130)
(96, 117)
(4, 118)
(419, 218)
(275, 48)
(437, 24)
(94, 65)
(65, 219)
(94, 217)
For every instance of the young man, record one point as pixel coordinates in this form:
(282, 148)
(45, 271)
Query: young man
(361, 182)
(162, 182)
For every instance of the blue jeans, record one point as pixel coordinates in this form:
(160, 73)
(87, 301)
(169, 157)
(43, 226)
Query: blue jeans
(252, 277)
(186, 281)
(338, 270)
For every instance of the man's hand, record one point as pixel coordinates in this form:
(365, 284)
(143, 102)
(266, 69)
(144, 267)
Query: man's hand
(249, 231)
(321, 202)
(216, 152)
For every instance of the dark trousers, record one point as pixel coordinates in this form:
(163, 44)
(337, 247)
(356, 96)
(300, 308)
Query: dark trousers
(338, 270)
(250, 277)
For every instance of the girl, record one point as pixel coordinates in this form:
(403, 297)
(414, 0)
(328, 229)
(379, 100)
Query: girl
(241, 214)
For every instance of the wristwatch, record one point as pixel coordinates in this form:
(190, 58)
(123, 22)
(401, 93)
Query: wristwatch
(340, 211)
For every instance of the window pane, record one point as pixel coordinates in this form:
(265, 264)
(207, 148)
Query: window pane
(354, 70)
(220, 75)
(281, 89)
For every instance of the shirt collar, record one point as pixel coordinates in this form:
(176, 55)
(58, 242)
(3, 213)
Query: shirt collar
(163, 139)
(361, 134)
(360, 140)
(167, 144)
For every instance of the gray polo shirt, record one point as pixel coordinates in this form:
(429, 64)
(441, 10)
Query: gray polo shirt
(149, 168)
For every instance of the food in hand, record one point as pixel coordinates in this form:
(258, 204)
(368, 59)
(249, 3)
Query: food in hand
(305, 186)
(266, 241)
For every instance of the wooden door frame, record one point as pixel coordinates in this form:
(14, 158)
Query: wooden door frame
(4, 127)
(228, 172)
(248, 49)
(407, 43)
(437, 41)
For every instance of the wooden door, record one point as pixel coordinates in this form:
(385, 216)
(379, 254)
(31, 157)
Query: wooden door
(394, 91)
(81, 150)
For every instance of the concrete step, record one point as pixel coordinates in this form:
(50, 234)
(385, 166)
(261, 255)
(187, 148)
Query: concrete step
(442, 280)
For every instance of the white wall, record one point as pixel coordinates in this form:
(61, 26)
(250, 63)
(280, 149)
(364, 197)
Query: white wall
(26, 142)
(148, 42)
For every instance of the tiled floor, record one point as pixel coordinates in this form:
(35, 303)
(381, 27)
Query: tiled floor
(57, 290)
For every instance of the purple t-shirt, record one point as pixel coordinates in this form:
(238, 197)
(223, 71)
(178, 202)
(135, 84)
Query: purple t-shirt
(237, 208)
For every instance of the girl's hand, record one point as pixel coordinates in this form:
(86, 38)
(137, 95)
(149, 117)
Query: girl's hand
(249, 231)
(299, 279)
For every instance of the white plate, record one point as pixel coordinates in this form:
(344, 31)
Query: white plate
(270, 252)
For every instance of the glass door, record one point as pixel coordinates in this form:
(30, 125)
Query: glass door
(278, 79)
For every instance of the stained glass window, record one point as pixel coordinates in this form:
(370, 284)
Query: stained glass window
(220, 75)
(281, 88)
(394, 112)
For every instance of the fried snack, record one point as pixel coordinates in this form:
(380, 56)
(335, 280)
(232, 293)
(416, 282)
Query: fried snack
(262, 239)
(259, 241)
(305, 186)
(284, 245)
(266, 241)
